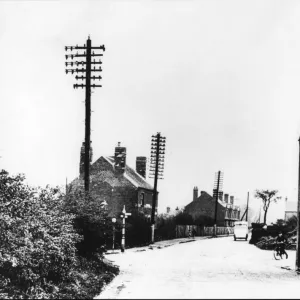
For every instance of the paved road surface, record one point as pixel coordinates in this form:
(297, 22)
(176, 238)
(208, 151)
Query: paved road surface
(211, 268)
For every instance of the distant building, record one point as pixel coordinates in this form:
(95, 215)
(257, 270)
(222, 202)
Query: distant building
(113, 181)
(290, 209)
(171, 212)
(204, 206)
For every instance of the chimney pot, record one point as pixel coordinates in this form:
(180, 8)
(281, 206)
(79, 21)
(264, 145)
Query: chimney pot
(120, 159)
(226, 198)
(140, 167)
(195, 193)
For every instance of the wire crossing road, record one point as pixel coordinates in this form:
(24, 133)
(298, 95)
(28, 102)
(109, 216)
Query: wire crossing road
(210, 268)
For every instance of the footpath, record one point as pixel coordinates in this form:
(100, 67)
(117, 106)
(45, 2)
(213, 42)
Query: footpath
(163, 244)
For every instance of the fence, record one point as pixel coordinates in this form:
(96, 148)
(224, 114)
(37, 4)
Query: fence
(187, 230)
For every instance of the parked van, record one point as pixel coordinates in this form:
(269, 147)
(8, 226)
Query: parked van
(240, 230)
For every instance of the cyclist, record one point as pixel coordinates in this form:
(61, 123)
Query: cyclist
(280, 244)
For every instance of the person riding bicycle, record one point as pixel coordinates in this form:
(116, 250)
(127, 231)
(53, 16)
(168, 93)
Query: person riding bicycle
(280, 244)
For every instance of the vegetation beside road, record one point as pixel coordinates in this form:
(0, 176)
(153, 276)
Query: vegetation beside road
(264, 238)
(40, 253)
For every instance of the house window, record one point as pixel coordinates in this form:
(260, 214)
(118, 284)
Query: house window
(142, 197)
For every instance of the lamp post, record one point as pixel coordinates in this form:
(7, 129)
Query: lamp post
(113, 244)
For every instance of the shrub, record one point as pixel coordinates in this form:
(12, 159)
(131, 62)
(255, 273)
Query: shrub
(91, 220)
(138, 230)
(37, 238)
(184, 218)
(166, 227)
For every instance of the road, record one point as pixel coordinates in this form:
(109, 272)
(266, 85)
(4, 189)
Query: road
(210, 268)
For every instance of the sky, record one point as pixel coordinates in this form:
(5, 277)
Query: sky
(219, 79)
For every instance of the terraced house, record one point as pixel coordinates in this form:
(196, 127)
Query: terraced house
(204, 206)
(113, 181)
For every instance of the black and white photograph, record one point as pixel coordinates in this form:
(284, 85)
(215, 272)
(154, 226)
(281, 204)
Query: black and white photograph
(149, 149)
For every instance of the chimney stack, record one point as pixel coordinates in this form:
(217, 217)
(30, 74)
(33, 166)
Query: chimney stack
(141, 165)
(195, 193)
(82, 152)
(120, 159)
(226, 198)
(221, 195)
(231, 199)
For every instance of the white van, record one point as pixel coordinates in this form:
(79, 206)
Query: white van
(241, 230)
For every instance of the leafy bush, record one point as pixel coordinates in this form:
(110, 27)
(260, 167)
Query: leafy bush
(91, 220)
(37, 238)
(166, 227)
(184, 218)
(138, 230)
(291, 223)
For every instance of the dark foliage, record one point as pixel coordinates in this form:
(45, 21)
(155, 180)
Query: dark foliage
(166, 228)
(184, 218)
(91, 221)
(138, 230)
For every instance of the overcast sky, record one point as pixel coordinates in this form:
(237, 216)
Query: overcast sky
(219, 79)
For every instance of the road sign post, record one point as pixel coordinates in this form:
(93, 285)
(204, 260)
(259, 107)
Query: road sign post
(113, 243)
(124, 215)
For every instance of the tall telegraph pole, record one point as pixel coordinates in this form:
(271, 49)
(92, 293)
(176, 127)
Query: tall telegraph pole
(87, 54)
(217, 188)
(298, 219)
(247, 208)
(158, 144)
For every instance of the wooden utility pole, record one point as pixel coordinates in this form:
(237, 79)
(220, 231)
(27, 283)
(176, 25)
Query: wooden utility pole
(298, 218)
(156, 169)
(218, 184)
(247, 208)
(87, 116)
(87, 54)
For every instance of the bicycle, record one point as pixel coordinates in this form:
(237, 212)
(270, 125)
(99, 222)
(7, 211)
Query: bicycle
(279, 250)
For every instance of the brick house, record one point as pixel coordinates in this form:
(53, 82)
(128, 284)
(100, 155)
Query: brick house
(204, 205)
(113, 181)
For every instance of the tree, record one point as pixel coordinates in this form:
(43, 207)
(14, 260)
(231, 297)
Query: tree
(267, 197)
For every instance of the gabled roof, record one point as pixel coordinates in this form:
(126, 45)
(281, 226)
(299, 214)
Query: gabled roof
(107, 174)
(195, 204)
(130, 174)
(204, 196)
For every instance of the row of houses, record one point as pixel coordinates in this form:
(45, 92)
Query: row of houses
(116, 184)
(204, 205)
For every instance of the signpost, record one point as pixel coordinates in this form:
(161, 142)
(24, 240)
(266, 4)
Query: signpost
(114, 220)
(124, 215)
